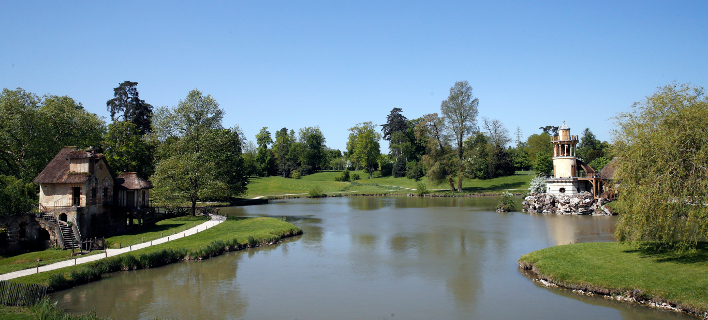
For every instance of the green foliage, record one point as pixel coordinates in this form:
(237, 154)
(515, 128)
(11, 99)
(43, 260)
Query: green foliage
(422, 188)
(505, 202)
(439, 160)
(590, 148)
(134, 110)
(414, 170)
(599, 163)
(33, 129)
(538, 144)
(316, 192)
(16, 196)
(662, 152)
(399, 168)
(265, 160)
(197, 158)
(46, 310)
(355, 177)
(363, 145)
(538, 185)
(543, 164)
(314, 150)
(459, 114)
(296, 175)
(126, 150)
(343, 177)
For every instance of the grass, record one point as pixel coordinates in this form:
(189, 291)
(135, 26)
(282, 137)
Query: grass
(12, 263)
(279, 186)
(43, 310)
(161, 229)
(234, 232)
(620, 270)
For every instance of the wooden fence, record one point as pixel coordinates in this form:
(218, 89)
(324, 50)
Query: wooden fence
(21, 294)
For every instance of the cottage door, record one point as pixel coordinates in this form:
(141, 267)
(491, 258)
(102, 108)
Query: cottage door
(131, 198)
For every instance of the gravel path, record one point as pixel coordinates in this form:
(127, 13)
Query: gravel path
(215, 219)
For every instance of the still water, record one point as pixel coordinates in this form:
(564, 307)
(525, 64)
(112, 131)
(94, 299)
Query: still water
(369, 258)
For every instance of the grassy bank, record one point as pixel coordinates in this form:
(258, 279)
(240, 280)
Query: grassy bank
(11, 263)
(647, 275)
(232, 234)
(44, 310)
(279, 186)
(161, 229)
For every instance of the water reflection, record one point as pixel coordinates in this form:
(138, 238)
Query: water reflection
(368, 257)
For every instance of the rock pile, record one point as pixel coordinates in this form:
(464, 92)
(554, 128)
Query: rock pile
(584, 203)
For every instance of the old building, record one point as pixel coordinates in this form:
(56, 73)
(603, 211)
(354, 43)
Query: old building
(570, 175)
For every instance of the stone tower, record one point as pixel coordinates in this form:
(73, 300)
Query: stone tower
(564, 159)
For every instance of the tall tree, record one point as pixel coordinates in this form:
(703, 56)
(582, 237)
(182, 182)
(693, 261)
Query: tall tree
(590, 148)
(550, 130)
(395, 123)
(126, 150)
(198, 159)
(662, 152)
(314, 147)
(283, 142)
(439, 159)
(264, 156)
(459, 113)
(364, 145)
(126, 104)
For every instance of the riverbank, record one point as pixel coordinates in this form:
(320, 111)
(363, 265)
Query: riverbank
(646, 276)
(285, 188)
(232, 234)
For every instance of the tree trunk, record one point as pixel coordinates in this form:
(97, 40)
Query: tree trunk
(452, 183)
(459, 180)
(371, 172)
(194, 207)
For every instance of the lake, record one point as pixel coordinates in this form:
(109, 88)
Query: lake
(369, 258)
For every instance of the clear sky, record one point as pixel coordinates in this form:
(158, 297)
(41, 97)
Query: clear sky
(334, 64)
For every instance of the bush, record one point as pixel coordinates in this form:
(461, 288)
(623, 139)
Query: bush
(295, 175)
(306, 170)
(355, 177)
(422, 188)
(506, 202)
(316, 192)
(386, 169)
(414, 170)
(343, 177)
(399, 168)
(537, 185)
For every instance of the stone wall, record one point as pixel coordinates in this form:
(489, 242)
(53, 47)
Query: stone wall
(584, 203)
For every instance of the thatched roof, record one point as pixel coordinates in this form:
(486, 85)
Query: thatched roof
(608, 172)
(588, 169)
(57, 171)
(131, 181)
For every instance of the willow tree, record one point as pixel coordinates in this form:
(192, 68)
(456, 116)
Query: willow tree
(662, 168)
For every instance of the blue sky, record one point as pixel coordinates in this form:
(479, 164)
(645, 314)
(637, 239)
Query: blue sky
(334, 64)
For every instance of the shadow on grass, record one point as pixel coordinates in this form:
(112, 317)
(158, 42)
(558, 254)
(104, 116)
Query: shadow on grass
(503, 186)
(669, 253)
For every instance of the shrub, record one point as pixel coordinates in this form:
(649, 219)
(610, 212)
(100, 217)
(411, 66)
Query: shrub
(422, 188)
(295, 175)
(414, 170)
(355, 177)
(399, 168)
(386, 169)
(537, 185)
(316, 192)
(343, 177)
(506, 202)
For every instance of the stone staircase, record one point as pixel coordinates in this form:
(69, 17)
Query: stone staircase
(68, 240)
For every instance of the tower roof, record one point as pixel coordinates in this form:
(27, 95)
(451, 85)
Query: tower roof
(564, 127)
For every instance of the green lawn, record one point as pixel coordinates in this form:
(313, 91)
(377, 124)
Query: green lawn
(11, 263)
(279, 186)
(161, 229)
(203, 243)
(659, 275)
